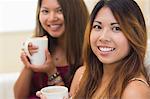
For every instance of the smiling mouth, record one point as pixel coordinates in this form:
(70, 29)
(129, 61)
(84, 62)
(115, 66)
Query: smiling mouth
(55, 26)
(106, 49)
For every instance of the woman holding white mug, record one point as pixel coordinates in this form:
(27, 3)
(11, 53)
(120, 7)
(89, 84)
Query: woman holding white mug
(63, 22)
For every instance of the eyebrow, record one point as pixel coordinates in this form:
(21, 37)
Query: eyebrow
(98, 22)
(114, 23)
(110, 24)
(47, 8)
(43, 7)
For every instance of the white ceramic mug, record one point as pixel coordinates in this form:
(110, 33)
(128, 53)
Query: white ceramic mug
(39, 57)
(55, 92)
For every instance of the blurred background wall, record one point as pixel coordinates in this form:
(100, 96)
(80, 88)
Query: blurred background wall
(17, 21)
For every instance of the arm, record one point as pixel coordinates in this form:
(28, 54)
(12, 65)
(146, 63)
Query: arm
(136, 90)
(22, 85)
(76, 80)
(24, 80)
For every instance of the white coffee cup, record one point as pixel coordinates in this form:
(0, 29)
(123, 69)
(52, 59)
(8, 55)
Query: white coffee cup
(55, 92)
(39, 57)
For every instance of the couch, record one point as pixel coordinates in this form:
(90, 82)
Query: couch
(7, 81)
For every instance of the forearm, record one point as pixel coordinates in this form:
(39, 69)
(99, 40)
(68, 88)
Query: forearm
(22, 85)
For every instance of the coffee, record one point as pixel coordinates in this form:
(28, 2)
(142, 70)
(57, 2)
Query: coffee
(55, 92)
(52, 91)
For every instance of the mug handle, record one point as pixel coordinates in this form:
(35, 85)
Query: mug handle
(25, 47)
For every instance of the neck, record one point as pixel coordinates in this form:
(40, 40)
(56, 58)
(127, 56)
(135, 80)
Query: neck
(108, 71)
(61, 42)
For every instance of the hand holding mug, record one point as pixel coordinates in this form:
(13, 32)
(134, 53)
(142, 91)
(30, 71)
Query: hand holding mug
(37, 58)
(53, 92)
(47, 67)
(38, 63)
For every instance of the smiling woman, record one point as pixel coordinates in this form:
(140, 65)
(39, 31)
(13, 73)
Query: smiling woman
(17, 21)
(113, 68)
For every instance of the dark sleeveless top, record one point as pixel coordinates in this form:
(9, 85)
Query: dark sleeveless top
(39, 80)
(141, 80)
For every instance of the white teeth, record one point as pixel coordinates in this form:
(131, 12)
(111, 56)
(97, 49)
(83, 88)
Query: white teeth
(105, 49)
(54, 26)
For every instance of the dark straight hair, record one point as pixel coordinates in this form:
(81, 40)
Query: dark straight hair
(76, 17)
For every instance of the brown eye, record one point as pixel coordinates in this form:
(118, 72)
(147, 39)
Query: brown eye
(44, 12)
(116, 29)
(59, 10)
(97, 27)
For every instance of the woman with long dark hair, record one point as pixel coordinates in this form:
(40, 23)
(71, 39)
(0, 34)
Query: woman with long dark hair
(114, 49)
(63, 22)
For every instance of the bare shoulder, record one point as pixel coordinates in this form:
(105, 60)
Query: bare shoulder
(80, 70)
(76, 80)
(79, 73)
(136, 89)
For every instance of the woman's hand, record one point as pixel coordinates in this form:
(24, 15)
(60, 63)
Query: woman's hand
(48, 67)
(32, 48)
(39, 94)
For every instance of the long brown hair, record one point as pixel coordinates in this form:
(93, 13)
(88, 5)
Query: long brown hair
(131, 20)
(75, 17)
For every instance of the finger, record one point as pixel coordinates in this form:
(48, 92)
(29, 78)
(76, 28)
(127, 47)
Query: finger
(69, 95)
(30, 44)
(23, 55)
(38, 93)
(43, 97)
(25, 59)
(32, 52)
(26, 62)
(32, 48)
(42, 68)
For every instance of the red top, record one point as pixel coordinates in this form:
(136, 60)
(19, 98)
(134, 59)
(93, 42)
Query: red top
(39, 80)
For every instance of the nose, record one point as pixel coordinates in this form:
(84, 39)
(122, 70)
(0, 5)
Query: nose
(105, 36)
(52, 16)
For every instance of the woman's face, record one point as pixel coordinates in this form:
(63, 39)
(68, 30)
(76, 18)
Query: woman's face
(107, 41)
(51, 18)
